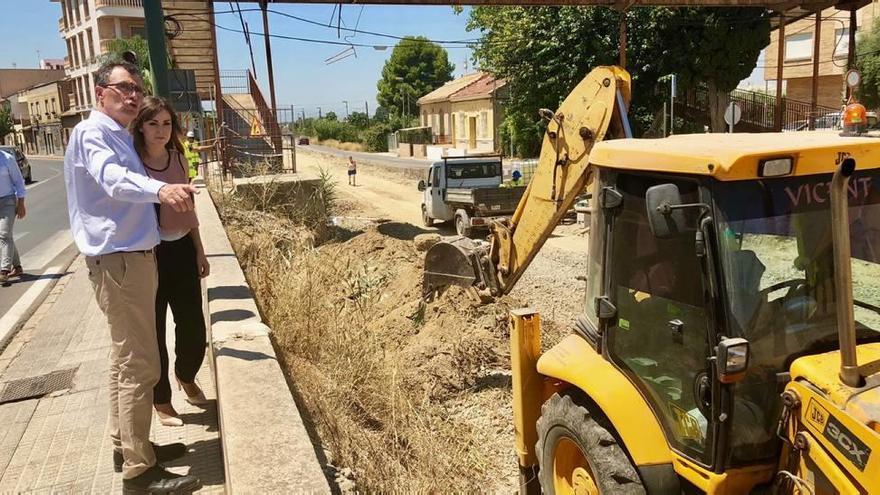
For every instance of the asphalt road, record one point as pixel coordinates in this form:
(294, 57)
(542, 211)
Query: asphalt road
(43, 236)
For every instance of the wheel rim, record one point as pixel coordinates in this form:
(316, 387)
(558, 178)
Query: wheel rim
(571, 471)
(459, 226)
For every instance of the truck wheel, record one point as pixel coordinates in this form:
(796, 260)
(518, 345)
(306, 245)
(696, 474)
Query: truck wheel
(577, 454)
(428, 221)
(461, 225)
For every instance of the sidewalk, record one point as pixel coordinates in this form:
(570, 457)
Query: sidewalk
(59, 442)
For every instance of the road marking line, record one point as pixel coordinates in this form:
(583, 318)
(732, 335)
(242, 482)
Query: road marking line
(43, 181)
(17, 313)
(46, 251)
(19, 236)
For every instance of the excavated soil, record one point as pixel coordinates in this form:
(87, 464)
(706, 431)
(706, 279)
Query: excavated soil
(405, 394)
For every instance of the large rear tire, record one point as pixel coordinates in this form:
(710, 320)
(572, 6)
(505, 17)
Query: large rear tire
(578, 454)
(462, 226)
(426, 220)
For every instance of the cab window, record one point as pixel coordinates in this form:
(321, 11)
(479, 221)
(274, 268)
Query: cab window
(659, 337)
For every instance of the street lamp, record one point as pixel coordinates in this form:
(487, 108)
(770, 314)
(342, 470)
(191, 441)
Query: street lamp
(346, 108)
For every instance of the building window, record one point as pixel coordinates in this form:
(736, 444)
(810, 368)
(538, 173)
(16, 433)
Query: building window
(76, 10)
(91, 43)
(53, 106)
(138, 31)
(841, 42)
(484, 124)
(64, 14)
(86, 8)
(82, 49)
(799, 46)
(462, 132)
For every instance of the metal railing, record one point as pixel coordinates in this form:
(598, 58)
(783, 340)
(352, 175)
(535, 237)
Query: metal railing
(267, 115)
(234, 81)
(119, 3)
(758, 109)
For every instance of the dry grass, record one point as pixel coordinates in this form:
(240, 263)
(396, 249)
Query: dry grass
(345, 146)
(391, 384)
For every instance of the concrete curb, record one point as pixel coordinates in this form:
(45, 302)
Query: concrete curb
(21, 312)
(266, 447)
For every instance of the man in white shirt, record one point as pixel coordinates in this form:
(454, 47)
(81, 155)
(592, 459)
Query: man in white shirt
(111, 203)
(12, 194)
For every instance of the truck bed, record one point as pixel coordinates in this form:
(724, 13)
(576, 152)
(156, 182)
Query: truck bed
(486, 201)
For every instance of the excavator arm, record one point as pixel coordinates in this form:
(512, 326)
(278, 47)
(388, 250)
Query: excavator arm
(595, 110)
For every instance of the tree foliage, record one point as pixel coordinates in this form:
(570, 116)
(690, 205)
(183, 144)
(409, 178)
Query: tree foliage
(6, 125)
(868, 63)
(543, 52)
(416, 67)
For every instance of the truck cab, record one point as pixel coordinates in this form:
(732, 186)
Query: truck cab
(468, 191)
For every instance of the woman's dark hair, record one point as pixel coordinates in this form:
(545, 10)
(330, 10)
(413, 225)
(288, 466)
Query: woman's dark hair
(152, 106)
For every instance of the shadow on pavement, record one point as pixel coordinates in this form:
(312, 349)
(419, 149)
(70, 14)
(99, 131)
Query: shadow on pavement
(231, 315)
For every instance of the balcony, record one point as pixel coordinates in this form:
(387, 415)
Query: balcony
(138, 4)
(61, 26)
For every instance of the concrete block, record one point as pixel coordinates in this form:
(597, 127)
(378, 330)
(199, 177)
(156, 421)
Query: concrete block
(266, 447)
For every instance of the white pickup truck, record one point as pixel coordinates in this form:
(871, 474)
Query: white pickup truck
(468, 191)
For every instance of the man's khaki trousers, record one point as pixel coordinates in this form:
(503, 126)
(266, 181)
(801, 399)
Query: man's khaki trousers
(125, 287)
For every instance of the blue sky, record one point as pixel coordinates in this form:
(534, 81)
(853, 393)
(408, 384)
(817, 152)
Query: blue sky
(302, 78)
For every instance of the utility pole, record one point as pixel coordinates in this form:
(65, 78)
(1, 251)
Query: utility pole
(319, 113)
(269, 57)
(367, 111)
(154, 21)
(346, 108)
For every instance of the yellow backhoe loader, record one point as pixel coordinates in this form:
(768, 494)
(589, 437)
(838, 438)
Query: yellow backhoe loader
(730, 339)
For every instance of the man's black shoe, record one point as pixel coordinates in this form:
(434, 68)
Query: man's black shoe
(164, 453)
(158, 480)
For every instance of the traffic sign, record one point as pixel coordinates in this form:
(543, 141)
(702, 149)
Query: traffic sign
(732, 115)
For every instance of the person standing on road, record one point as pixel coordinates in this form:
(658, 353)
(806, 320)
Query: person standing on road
(352, 172)
(111, 202)
(180, 258)
(12, 194)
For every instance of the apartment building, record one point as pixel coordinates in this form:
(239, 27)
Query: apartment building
(832, 56)
(45, 104)
(87, 27)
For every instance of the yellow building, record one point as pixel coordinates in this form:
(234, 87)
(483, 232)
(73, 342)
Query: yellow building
(45, 104)
(832, 56)
(465, 113)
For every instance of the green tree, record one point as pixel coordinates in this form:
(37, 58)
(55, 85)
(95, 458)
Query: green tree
(381, 114)
(543, 52)
(6, 125)
(718, 47)
(330, 116)
(868, 63)
(358, 119)
(415, 68)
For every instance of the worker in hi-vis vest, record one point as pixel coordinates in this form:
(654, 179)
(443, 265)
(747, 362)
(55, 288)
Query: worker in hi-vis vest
(191, 150)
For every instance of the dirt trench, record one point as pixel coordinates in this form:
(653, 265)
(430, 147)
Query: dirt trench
(405, 395)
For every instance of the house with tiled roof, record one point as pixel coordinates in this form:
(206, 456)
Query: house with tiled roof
(465, 113)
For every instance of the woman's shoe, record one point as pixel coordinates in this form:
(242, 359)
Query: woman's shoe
(167, 415)
(196, 399)
(16, 271)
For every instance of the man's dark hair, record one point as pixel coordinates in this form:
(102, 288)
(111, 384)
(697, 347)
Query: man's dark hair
(102, 75)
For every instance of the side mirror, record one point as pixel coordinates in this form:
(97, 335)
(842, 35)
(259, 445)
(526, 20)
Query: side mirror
(665, 221)
(422, 186)
(732, 359)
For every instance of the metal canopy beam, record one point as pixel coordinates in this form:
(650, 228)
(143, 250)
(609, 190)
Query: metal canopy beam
(777, 5)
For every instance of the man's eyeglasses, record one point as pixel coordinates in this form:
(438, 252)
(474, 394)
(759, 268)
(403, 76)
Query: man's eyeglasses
(126, 87)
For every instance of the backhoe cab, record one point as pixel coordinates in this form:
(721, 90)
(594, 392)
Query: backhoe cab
(730, 339)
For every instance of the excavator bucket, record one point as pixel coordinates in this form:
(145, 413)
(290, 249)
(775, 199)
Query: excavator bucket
(454, 262)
